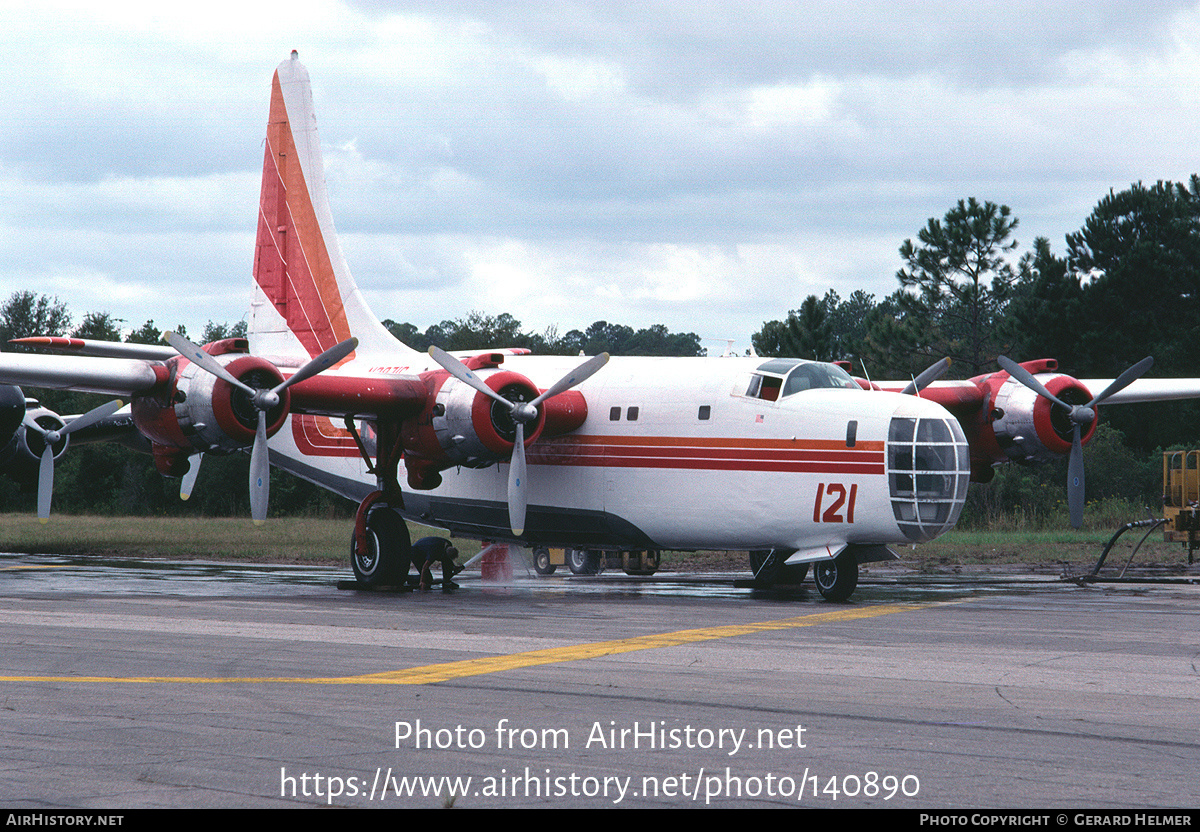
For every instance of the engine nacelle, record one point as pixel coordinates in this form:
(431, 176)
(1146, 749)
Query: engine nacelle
(197, 411)
(461, 426)
(475, 430)
(1031, 428)
(22, 454)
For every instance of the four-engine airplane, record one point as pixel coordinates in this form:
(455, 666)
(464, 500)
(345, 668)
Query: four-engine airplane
(794, 460)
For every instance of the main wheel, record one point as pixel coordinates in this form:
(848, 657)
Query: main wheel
(583, 561)
(389, 551)
(837, 578)
(541, 561)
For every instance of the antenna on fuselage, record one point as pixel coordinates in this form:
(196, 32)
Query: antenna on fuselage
(870, 384)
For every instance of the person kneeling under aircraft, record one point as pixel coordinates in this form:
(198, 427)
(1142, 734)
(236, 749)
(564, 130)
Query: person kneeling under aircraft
(434, 549)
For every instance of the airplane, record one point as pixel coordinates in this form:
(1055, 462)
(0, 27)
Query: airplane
(796, 461)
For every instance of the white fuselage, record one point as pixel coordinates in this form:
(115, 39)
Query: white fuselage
(675, 454)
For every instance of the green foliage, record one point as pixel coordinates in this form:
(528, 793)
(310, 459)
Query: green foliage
(220, 331)
(961, 280)
(1119, 478)
(25, 314)
(99, 326)
(478, 331)
(147, 333)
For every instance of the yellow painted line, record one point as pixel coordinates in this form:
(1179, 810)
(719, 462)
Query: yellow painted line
(432, 673)
(35, 566)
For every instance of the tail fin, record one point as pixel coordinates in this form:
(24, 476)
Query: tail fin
(304, 297)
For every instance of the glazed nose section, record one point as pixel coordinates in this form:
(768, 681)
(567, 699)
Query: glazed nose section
(929, 466)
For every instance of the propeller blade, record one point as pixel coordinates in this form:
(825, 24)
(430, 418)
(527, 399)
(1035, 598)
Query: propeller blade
(322, 362)
(198, 356)
(45, 483)
(1125, 379)
(577, 376)
(459, 370)
(927, 377)
(1075, 491)
(92, 416)
(52, 438)
(1025, 377)
(260, 472)
(517, 491)
(189, 479)
(521, 413)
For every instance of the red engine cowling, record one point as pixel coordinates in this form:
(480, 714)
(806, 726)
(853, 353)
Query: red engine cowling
(1030, 428)
(461, 426)
(197, 411)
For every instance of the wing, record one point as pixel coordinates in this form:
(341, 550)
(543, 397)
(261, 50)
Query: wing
(1148, 389)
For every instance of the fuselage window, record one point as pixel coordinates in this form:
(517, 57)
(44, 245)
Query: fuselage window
(614, 414)
(632, 414)
(705, 413)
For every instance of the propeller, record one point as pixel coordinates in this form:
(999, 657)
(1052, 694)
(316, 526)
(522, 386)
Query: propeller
(263, 400)
(522, 413)
(52, 438)
(188, 481)
(1080, 415)
(927, 377)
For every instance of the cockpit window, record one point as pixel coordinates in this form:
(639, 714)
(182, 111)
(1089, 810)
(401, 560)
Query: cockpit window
(782, 377)
(814, 376)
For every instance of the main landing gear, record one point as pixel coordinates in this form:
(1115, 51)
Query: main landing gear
(382, 554)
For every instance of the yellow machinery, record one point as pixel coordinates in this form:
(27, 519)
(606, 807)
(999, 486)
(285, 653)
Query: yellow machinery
(1181, 498)
(1181, 511)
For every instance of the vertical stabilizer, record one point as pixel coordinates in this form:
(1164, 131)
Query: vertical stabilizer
(305, 300)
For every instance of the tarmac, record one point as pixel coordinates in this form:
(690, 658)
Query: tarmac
(142, 684)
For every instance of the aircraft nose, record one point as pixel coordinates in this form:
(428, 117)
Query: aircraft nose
(928, 468)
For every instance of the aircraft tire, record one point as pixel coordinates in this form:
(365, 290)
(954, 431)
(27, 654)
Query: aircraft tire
(584, 561)
(837, 578)
(389, 551)
(541, 561)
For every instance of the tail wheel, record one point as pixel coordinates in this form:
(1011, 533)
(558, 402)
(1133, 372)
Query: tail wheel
(837, 578)
(388, 554)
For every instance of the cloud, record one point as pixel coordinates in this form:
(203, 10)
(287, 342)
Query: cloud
(652, 162)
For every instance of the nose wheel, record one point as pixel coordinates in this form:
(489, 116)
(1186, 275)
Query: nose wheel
(837, 578)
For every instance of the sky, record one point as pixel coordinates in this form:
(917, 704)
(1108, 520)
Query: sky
(705, 165)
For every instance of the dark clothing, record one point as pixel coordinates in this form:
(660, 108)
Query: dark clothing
(429, 550)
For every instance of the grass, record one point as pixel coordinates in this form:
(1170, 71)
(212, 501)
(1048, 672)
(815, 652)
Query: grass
(311, 540)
